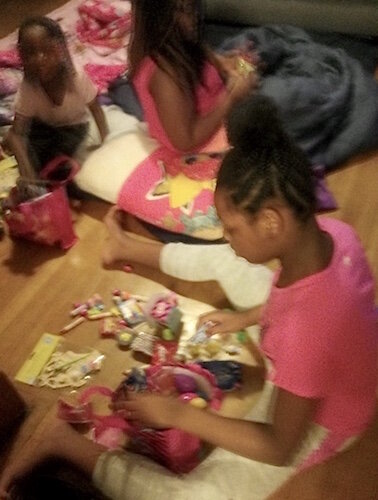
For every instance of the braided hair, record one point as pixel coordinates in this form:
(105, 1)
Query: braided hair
(264, 161)
(54, 32)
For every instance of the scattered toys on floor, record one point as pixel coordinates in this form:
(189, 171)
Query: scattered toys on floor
(53, 363)
(152, 325)
(149, 325)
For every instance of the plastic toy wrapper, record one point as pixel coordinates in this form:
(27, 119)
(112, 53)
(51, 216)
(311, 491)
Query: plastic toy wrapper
(70, 367)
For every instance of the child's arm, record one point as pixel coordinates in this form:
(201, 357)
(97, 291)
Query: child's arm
(17, 141)
(271, 443)
(230, 321)
(99, 118)
(176, 108)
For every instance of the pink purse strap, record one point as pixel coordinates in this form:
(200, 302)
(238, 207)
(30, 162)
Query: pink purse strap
(54, 164)
(102, 421)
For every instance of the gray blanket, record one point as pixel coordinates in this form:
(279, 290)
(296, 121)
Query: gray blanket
(328, 101)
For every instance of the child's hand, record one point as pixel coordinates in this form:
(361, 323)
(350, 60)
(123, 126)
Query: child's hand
(240, 85)
(227, 63)
(152, 410)
(224, 322)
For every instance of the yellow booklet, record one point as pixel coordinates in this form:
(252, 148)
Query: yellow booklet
(41, 353)
(8, 175)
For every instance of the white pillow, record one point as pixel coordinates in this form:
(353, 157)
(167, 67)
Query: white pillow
(118, 121)
(106, 169)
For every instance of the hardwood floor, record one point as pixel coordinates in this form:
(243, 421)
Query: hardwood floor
(38, 285)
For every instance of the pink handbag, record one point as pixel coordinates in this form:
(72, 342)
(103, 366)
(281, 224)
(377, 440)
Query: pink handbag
(177, 450)
(47, 218)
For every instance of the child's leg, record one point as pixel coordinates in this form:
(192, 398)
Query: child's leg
(221, 476)
(71, 137)
(41, 141)
(120, 247)
(47, 142)
(244, 284)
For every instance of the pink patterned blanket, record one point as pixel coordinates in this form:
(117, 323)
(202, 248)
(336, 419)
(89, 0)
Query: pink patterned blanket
(97, 33)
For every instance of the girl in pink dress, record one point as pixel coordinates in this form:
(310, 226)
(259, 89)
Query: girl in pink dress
(185, 90)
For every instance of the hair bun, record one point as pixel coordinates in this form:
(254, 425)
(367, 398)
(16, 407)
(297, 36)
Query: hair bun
(254, 122)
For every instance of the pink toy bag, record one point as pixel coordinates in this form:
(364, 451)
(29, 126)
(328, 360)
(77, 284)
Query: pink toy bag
(175, 449)
(47, 218)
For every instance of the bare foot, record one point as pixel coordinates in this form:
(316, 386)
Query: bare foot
(118, 244)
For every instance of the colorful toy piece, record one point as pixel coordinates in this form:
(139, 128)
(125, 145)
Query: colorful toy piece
(163, 309)
(110, 326)
(244, 67)
(129, 307)
(165, 352)
(144, 342)
(125, 337)
(198, 402)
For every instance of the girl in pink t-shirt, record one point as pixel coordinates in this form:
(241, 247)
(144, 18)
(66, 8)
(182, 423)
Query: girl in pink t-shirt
(318, 327)
(51, 116)
(318, 336)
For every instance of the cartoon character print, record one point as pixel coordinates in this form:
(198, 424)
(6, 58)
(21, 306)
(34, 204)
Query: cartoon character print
(182, 180)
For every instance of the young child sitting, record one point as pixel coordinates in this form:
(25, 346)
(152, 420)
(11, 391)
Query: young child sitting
(51, 116)
(185, 92)
(318, 333)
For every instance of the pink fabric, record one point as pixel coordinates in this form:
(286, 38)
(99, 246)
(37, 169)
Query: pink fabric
(206, 99)
(151, 192)
(321, 336)
(9, 81)
(10, 58)
(103, 74)
(103, 24)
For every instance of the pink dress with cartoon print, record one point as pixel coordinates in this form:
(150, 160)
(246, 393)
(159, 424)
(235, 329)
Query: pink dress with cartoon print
(171, 189)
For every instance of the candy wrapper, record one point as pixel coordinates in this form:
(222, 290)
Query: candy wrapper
(70, 368)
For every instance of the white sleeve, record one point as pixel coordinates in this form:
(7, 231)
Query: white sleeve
(245, 285)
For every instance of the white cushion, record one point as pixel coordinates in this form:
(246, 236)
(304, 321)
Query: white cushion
(105, 170)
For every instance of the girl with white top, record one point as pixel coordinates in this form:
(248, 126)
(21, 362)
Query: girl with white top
(51, 110)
